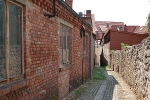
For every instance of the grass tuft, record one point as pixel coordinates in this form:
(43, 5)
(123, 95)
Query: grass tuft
(80, 90)
(106, 67)
(98, 74)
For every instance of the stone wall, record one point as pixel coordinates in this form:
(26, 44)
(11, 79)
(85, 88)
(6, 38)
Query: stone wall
(133, 64)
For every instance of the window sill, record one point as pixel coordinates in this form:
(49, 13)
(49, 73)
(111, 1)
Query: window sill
(12, 86)
(64, 67)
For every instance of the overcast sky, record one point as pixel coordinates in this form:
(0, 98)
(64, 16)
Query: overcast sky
(131, 12)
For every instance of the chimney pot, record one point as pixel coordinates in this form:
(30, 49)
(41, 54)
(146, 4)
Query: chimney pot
(80, 14)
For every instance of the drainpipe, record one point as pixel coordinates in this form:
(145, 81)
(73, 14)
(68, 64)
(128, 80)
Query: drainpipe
(82, 68)
(91, 55)
(54, 11)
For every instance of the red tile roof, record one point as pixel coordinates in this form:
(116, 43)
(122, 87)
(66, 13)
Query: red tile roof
(132, 29)
(141, 30)
(104, 26)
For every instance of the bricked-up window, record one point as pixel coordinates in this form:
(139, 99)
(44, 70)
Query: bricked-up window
(64, 44)
(10, 40)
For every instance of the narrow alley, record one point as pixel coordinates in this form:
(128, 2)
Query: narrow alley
(50, 51)
(112, 88)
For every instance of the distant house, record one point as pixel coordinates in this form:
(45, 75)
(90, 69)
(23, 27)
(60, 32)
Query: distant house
(102, 28)
(114, 38)
(110, 35)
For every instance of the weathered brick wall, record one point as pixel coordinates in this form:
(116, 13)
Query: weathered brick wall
(63, 83)
(134, 66)
(43, 54)
(80, 64)
(42, 77)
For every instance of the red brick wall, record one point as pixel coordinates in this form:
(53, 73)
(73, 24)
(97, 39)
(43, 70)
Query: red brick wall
(116, 38)
(78, 69)
(63, 83)
(43, 77)
(43, 54)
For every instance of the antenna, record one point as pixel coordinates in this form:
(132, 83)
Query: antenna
(84, 12)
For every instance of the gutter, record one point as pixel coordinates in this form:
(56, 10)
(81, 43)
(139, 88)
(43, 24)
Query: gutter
(66, 6)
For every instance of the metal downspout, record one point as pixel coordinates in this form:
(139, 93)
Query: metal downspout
(91, 56)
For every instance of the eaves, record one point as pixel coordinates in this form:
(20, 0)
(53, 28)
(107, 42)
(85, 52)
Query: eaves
(66, 6)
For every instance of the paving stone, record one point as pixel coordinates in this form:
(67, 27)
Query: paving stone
(113, 88)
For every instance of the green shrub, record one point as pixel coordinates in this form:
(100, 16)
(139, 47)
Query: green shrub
(123, 45)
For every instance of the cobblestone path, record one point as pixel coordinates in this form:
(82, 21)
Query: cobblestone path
(113, 88)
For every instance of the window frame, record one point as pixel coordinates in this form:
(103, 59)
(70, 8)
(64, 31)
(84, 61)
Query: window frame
(61, 40)
(7, 42)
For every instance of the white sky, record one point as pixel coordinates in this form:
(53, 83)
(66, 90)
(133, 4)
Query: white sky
(131, 12)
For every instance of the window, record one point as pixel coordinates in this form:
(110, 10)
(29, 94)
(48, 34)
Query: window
(10, 40)
(64, 44)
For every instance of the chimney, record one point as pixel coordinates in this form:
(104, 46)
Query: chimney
(88, 13)
(69, 2)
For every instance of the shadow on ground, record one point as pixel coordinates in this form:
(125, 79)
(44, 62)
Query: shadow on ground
(106, 91)
(95, 89)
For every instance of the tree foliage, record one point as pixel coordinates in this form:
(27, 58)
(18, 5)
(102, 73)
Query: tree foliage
(148, 23)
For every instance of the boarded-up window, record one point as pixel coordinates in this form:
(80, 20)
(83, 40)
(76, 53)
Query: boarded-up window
(64, 44)
(10, 40)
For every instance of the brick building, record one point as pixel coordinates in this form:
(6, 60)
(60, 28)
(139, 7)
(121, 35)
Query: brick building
(117, 37)
(44, 49)
(110, 35)
(114, 38)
